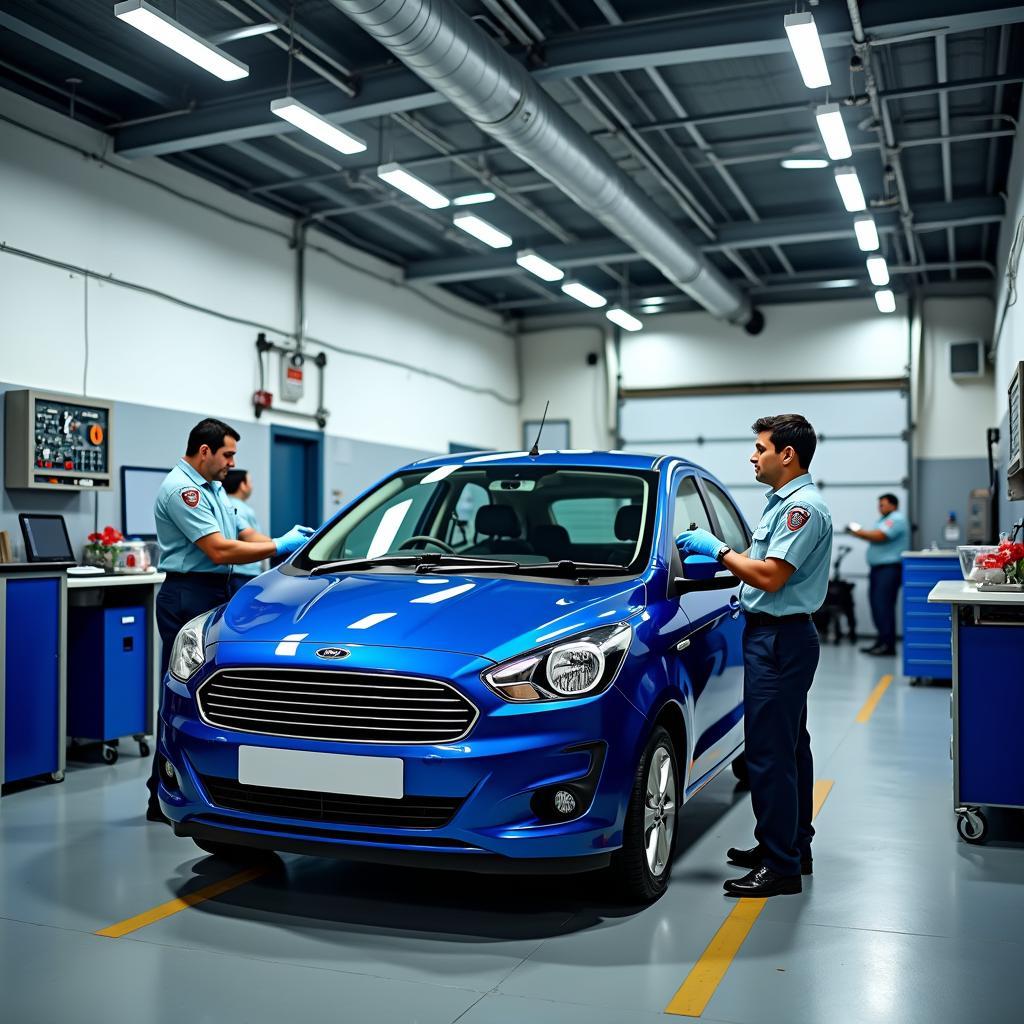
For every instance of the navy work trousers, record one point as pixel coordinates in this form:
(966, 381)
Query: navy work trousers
(779, 663)
(182, 597)
(883, 589)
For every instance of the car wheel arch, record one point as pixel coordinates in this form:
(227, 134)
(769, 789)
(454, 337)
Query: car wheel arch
(672, 716)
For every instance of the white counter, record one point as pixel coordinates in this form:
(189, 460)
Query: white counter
(960, 592)
(145, 579)
(931, 553)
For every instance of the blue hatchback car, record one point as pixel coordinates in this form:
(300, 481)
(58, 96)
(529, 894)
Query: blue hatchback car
(490, 662)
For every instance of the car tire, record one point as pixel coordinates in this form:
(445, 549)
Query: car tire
(233, 853)
(642, 876)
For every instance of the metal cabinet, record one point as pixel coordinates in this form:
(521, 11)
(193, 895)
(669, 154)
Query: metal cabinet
(927, 628)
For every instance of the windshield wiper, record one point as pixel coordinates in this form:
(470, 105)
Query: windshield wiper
(566, 567)
(369, 563)
(465, 563)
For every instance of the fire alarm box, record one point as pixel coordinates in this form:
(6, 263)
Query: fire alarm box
(292, 376)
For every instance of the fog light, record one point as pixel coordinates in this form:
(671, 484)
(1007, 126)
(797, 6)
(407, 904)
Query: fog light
(168, 769)
(565, 802)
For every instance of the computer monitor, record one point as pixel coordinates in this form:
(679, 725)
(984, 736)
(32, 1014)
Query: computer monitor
(46, 538)
(139, 488)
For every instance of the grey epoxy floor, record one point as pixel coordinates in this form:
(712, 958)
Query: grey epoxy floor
(901, 922)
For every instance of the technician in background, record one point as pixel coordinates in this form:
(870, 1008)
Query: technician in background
(238, 490)
(785, 578)
(886, 544)
(200, 542)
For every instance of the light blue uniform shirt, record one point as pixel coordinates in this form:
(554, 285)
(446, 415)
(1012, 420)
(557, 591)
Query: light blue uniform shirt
(889, 551)
(245, 516)
(187, 509)
(797, 527)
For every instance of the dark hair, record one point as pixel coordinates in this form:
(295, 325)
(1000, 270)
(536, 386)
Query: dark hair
(209, 432)
(234, 480)
(891, 498)
(790, 430)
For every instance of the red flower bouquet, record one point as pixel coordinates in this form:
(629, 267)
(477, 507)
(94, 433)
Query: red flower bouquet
(103, 547)
(1008, 557)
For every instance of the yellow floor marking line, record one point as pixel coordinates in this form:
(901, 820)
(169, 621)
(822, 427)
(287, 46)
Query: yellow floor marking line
(871, 703)
(707, 973)
(171, 907)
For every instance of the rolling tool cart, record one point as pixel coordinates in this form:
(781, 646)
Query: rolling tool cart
(927, 627)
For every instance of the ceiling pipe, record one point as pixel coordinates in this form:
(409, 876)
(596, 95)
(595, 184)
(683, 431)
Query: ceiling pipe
(440, 43)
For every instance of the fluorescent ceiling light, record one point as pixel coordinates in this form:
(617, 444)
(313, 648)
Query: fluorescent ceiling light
(166, 30)
(473, 199)
(833, 131)
(803, 164)
(840, 282)
(625, 320)
(539, 266)
(581, 293)
(867, 233)
(885, 301)
(878, 270)
(803, 38)
(849, 188)
(479, 228)
(396, 176)
(313, 124)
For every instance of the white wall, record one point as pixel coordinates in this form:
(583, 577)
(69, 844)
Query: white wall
(226, 256)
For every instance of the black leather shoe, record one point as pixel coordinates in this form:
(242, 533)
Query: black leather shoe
(873, 649)
(754, 858)
(153, 813)
(762, 882)
(884, 652)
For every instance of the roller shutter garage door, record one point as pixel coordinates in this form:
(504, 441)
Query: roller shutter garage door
(862, 452)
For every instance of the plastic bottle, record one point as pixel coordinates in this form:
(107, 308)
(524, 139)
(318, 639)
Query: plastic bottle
(951, 531)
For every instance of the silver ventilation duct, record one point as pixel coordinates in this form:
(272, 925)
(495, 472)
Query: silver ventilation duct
(437, 41)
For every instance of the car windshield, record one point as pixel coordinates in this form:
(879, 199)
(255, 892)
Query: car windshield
(520, 518)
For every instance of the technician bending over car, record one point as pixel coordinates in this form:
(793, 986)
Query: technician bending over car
(197, 530)
(785, 577)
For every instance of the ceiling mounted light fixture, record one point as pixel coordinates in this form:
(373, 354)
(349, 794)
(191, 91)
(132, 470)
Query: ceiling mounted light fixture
(626, 321)
(474, 199)
(867, 233)
(804, 164)
(309, 121)
(164, 29)
(581, 293)
(538, 266)
(806, 44)
(833, 131)
(397, 177)
(480, 229)
(849, 188)
(878, 271)
(885, 301)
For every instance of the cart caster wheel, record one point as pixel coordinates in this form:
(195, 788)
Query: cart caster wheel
(109, 754)
(972, 826)
(57, 776)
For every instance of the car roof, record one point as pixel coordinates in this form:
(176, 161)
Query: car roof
(576, 457)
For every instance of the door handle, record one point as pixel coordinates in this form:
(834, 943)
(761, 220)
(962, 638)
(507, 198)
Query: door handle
(682, 645)
(734, 604)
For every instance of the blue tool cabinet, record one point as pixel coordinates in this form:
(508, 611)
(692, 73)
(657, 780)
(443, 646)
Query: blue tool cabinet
(32, 611)
(927, 628)
(107, 672)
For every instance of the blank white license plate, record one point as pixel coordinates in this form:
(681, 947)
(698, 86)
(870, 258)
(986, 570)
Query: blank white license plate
(346, 774)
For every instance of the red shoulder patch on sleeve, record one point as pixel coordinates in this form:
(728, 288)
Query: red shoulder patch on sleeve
(190, 496)
(797, 517)
(887, 523)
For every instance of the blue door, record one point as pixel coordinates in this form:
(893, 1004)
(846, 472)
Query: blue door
(296, 478)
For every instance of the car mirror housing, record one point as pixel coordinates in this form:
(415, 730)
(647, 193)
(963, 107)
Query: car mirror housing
(703, 573)
(700, 567)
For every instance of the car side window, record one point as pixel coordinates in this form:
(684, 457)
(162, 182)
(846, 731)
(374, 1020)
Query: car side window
(734, 533)
(689, 508)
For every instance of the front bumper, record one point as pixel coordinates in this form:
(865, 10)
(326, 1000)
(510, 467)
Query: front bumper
(491, 779)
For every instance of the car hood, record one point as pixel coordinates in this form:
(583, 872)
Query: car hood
(484, 616)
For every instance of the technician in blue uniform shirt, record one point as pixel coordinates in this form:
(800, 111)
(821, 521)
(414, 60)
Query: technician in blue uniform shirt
(785, 577)
(238, 491)
(886, 544)
(200, 543)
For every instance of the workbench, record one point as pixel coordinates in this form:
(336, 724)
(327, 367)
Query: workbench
(987, 702)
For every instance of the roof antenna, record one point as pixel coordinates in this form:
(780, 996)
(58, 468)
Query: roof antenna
(535, 450)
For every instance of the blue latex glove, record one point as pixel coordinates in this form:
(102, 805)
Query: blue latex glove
(293, 539)
(699, 542)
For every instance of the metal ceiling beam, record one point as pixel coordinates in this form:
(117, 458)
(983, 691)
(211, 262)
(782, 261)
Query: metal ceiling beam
(661, 42)
(84, 60)
(785, 231)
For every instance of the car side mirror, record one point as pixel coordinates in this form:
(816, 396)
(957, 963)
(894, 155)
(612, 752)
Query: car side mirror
(703, 573)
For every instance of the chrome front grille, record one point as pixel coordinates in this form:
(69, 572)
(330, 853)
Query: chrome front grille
(348, 707)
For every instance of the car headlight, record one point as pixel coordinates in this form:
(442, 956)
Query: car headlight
(579, 666)
(187, 652)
